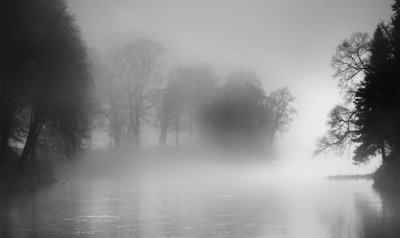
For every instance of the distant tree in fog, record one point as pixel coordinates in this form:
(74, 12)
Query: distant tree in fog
(280, 103)
(136, 67)
(169, 108)
(238, 114)
(112, 116)
(188, 91)
(203, 82)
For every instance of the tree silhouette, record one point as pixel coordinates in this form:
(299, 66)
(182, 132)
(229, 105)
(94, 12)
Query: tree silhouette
(371, 118)
(280, 102)
(136, 67)
(373, 102)
(185, 98)
(350, 62)
(45, 86)
(341, 122)
(16, 49)
(172, 100)
(112, 116)
(238, 115)
(58, 87)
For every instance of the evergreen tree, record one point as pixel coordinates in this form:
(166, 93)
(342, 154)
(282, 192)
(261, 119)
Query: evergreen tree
(372, 102)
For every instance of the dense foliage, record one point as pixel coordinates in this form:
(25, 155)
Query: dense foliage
(44, 85)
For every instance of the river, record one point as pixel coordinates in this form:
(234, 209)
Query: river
(244, 202)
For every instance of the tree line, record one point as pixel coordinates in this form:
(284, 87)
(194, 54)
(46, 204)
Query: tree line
(132, 92)
(368, 69)
(54, 92)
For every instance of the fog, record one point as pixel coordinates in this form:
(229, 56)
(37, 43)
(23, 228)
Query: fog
(186, 118)
(286, 43)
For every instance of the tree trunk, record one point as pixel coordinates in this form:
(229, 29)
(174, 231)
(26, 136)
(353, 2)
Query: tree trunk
(383, 151)
(163, 132)
(271, 139)
(191, 130)
(177, 123)
(117, 140)
(163, 136)
(116, 132)
(33, 153)
(5, 137)
(137, 130)
(6, 117)
(30, 144)
(132, 119)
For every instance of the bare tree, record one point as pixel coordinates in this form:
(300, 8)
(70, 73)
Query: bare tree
(169, 106)
(185, 97)
(351, 62)
(341, 130)
(202, 85)
(280, 102)
(136, 66)
(108, 90)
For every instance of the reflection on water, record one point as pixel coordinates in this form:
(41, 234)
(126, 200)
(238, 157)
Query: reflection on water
(183, 205)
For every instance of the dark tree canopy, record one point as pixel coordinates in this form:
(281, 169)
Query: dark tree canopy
(242, 115)
(45, 85)
(238, 113)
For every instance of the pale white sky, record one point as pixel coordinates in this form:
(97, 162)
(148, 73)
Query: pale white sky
(286, 42)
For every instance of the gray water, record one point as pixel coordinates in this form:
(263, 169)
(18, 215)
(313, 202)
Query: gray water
(243, 202)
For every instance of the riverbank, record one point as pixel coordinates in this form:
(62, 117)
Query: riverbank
(31, 178)
(387, 178)
(350, 177)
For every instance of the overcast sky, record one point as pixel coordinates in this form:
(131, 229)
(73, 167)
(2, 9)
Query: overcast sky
(286, 42)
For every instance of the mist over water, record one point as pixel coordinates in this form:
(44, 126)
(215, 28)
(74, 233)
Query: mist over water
(178, 195)
(200, 118)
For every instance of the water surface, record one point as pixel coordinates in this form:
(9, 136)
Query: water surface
(212, 202)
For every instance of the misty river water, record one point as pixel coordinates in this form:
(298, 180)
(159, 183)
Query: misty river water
(244, 202)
